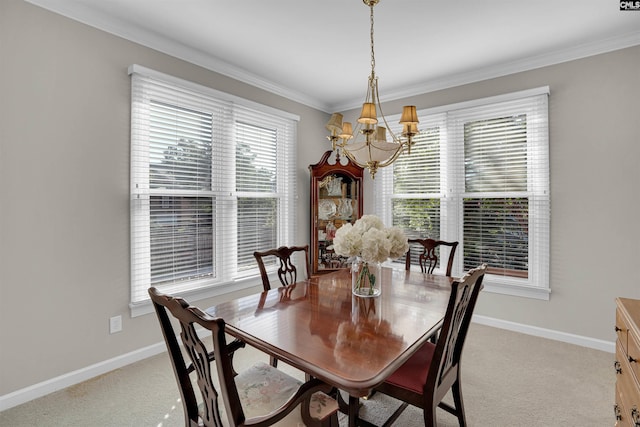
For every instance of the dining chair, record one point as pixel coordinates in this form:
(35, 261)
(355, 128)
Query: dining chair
(428, 259)
(258, 396)
(287, 271)
(434, 369)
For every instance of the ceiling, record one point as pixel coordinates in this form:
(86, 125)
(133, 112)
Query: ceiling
(318, 53)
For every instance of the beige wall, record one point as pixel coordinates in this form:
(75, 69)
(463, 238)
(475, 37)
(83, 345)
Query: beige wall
(64, 190)
(594, 138)
(64, 184)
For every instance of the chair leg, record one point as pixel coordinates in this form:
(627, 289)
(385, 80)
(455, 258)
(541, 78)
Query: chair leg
(429, 414)
(458, 402)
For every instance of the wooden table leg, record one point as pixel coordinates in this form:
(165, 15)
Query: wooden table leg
(352, 409)
(354, 406)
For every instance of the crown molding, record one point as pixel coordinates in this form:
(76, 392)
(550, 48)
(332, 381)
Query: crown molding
(80, 13)
(85, 15)
(504, 69)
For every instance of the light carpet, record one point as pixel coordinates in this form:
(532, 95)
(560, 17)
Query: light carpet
(508, 380)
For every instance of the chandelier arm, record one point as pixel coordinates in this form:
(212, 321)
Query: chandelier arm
(384, 118)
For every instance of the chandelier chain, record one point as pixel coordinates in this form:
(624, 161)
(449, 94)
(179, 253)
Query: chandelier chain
(373, 56)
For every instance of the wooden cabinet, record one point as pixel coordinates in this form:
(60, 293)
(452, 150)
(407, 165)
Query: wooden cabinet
(336, 199)
(627, 363)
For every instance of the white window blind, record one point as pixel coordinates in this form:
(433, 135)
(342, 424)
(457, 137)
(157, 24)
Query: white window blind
(212, 181)
(493, 193)
(415, 185)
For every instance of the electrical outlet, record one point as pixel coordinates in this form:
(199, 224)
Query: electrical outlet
(115, 324)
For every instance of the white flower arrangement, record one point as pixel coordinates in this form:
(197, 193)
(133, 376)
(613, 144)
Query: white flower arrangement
(370, 240)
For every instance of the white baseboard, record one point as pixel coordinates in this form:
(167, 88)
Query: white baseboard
(609, 347)
(26, 394)
(35, 391)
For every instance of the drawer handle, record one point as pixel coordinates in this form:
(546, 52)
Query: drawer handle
(617, 412)
(618, 329)
(632, 360)
(617, 367)
(635, 417)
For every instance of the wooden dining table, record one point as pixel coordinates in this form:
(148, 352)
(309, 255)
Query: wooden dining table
(350, 342)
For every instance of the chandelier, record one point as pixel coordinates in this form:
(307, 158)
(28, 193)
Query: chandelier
(373, 145)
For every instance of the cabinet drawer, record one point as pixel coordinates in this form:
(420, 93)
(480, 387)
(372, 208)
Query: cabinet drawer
(623, 418)
(633, 355)
(622, 329)
(634, 420)
(627, 363)
(627, 390)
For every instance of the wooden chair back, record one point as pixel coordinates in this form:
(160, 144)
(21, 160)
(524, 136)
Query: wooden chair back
(428, 259)
(180, 368)
(181, 310)
(448, 351)
(208, 415)
(435, 369)
(287, 271)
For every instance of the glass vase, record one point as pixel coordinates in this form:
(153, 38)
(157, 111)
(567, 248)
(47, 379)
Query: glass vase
(365, 278)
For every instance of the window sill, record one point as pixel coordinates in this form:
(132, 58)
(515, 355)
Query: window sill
(217, 290)
(534, 292)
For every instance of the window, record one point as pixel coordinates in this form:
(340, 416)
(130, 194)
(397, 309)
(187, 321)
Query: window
(479, 174)
(212, 181)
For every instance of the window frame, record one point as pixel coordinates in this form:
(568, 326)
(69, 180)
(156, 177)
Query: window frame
(452, 181)
(227, 277)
